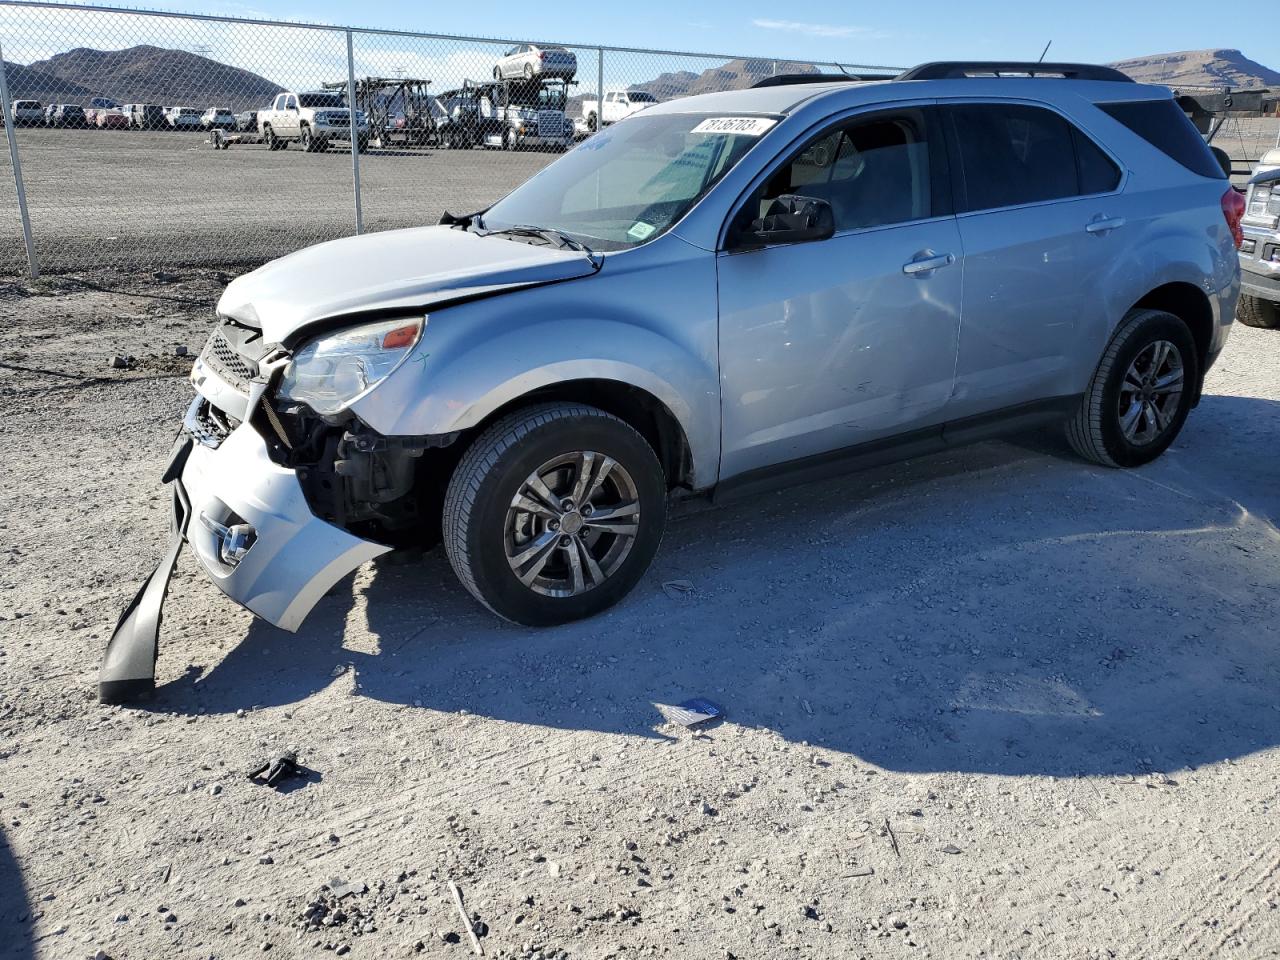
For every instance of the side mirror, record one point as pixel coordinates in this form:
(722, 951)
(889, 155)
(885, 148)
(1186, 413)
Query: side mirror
(790, 219)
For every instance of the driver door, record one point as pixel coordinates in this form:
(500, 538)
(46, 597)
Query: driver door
(829, 344)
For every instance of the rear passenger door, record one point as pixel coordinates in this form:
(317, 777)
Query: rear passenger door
(1040, 219)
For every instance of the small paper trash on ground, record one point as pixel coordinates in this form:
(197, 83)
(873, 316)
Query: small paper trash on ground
(691, 712)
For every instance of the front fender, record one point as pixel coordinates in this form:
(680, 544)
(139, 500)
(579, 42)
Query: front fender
(476, 358)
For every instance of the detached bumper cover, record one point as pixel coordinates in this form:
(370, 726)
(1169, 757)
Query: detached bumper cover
(294, 558)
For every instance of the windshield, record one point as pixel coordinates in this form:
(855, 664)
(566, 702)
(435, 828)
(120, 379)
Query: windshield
(321, 100)
(639, 96)
(630, 182)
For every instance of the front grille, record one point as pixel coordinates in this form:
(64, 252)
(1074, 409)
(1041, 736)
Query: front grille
(226, 361)
(208, 425)
(549, 124)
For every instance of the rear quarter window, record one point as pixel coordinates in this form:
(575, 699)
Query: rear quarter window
(1163, 125)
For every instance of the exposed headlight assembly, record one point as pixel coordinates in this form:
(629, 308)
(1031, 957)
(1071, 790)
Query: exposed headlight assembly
(331, 372)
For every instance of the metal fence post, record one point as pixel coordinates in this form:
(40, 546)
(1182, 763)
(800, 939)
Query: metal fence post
(600, 94)
(12, 135)
(354, 131)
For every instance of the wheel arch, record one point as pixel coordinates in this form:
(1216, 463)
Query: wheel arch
(1190, 304)
(637, 407)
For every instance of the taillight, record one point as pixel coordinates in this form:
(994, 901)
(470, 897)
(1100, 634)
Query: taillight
(542, 54)
(1233, 210)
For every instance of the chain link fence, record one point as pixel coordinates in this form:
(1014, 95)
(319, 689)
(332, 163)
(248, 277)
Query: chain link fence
(149, 140)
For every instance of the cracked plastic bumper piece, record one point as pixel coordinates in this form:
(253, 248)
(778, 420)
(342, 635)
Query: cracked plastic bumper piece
(248, 523)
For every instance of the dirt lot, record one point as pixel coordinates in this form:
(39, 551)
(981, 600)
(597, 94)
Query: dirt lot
(106, 197)
(995, 703)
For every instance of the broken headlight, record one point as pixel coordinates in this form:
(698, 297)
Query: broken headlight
(331, 371)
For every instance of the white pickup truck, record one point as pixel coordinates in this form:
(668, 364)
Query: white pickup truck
(618, 104)
(312, 119)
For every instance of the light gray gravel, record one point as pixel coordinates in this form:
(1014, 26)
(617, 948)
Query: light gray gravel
(994, 703)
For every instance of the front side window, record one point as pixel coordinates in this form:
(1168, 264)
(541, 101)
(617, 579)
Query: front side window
(630, 182)
(873, 171)
(1011, 154)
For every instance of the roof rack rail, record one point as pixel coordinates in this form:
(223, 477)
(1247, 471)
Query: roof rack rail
(959, 69)
(788, 79)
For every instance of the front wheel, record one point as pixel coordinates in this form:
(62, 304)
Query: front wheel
(1140, 394)
(554, 513)
(308, 140)
(1256, 312)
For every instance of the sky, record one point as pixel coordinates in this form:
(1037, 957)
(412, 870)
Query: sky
(889, 33)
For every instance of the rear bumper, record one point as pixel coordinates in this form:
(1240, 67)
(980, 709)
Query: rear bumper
(1259, 284)
(294, 557)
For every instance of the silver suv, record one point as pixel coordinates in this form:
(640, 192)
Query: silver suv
(711, 296)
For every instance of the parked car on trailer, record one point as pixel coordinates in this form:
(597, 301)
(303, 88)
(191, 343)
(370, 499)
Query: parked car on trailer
(27, 113)
(525, 61)
(183, 118)
(312, 119)
(714, 294)
(218, 118)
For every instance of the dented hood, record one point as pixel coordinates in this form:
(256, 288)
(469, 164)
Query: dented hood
(392, 270)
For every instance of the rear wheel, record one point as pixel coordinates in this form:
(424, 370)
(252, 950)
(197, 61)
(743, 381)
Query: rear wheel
(554, 513)
(1256, 312)
(592, 123)
(308, 140)
(269, 137)
(1140, 395)
(528, 71)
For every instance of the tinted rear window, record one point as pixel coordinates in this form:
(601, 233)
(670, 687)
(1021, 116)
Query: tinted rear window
(1163, 125)
(1013, 155)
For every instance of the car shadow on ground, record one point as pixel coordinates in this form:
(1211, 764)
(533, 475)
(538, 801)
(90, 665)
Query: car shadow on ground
(15, 910)
(1002, 608)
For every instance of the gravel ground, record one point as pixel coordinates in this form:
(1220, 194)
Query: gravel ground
(993, 703)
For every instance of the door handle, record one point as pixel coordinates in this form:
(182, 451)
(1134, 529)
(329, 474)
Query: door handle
(926, 261)
(1104, 224)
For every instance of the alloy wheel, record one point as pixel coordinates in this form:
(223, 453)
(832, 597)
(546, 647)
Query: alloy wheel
(1151, 392)
(572, 524)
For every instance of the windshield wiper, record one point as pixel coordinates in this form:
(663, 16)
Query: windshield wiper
(557, 238)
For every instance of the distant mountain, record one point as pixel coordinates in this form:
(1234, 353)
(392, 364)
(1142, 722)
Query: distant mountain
(1193, 68)
(28, 84)
(147, 74)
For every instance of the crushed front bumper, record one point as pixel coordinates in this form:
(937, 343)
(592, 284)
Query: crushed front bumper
(291, 559)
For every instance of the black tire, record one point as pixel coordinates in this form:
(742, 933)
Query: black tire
(307, 140)
(528, 71)
(1256, 312)
(1095, 431)
(509, 140)
(269, 137)
(497, 73)
(493, 469)
(592, 123)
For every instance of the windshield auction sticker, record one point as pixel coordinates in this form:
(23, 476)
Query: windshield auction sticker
(743, 126)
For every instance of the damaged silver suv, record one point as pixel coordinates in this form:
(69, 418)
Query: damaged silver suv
(709, 296)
